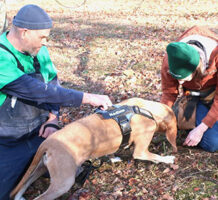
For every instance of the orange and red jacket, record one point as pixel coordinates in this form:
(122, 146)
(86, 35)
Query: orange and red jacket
(170, 86)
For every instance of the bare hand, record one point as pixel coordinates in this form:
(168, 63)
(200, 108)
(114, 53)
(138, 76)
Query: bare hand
(97, 100)
(195, 136)
(49, 130)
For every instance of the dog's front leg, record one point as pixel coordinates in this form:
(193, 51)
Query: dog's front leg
(146, 155)
(156, 158)
(141, 150)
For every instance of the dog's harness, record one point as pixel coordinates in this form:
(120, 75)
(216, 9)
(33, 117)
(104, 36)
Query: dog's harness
(122, 115)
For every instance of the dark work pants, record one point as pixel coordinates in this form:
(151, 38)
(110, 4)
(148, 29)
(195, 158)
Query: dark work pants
(209, 141)
(15, 157)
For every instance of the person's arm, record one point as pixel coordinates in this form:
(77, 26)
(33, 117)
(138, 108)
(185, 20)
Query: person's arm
(168, 84)
(195, 136)
(54, 109)
(212, 116)
(31, 89)
(51, 125)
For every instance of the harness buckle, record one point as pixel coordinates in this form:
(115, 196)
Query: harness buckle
(136, 109)
(125, 127)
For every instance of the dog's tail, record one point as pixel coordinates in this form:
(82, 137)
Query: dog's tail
(36, 169)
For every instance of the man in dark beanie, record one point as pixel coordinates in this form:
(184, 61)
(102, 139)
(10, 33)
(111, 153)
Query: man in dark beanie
(30, 95)
(192, 63)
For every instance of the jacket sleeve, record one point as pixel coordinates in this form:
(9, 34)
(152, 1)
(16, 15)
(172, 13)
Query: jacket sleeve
(169, 85)
(212, 116)
(51, 107)
(31, 89)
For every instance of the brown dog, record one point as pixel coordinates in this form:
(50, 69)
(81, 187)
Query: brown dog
(91, 137)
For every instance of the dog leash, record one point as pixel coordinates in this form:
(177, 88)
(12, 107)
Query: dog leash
(52, 126)
(88, 169)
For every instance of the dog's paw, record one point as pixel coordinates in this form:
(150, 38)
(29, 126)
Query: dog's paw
(168, 159)
(115, 159)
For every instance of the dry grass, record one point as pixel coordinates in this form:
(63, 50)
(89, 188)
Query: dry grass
(103, 36)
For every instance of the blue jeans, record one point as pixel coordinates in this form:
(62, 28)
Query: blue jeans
(15, 157)
(209, 141)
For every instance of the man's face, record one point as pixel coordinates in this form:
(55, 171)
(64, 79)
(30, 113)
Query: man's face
(33, 40)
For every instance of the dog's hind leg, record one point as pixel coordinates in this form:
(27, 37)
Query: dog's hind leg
(62, 176)
(34, 175)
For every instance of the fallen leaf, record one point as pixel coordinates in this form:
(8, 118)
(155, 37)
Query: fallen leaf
(167, 170)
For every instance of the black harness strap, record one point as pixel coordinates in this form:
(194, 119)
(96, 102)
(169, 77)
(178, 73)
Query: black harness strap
(36, 64)
(18, 62)
(122, 115)
(143, 112)
(124, 124)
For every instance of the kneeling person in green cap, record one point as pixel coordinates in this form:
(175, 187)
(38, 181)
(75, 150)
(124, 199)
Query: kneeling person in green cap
(192, 62)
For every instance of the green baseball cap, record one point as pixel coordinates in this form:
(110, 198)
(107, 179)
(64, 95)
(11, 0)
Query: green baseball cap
(183, 59)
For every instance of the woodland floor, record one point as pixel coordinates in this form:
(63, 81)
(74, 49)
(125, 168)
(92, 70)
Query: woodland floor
(115, 47)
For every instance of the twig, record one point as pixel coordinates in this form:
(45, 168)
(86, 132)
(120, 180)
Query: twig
(138, 6)
(64, 5)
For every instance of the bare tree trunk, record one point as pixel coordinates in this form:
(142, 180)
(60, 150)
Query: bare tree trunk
(3, 16)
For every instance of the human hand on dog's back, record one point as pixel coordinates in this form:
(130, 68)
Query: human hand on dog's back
(97, 100)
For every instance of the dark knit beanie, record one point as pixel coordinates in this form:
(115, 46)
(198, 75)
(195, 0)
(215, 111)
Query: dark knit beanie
(183, 59)
(32, 17)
